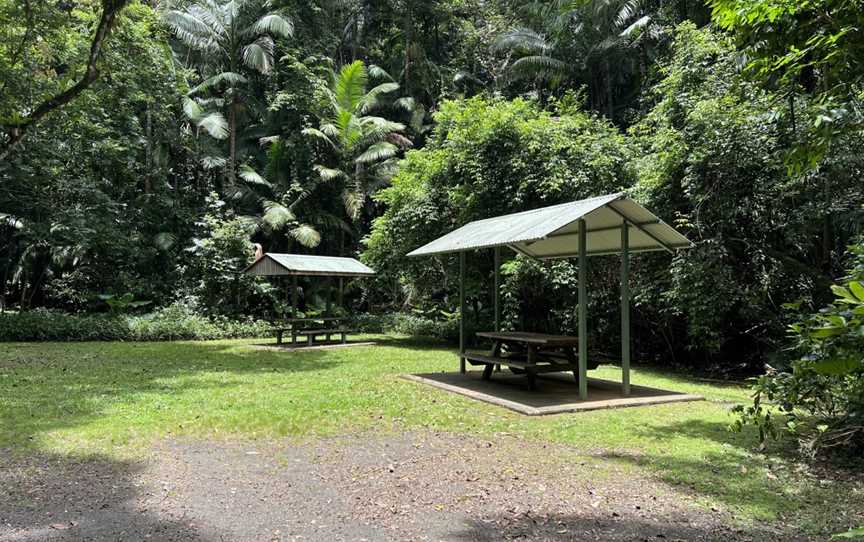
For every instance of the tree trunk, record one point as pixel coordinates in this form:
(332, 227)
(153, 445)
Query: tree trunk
(148, 157)
(607, 76)
(232, 142)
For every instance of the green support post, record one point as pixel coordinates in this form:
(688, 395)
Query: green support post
(625, 309)
(341, 298)
(461, 312)
(329, 302)
(497, 264)
(294, 296)
(496, 304)
(583, 312)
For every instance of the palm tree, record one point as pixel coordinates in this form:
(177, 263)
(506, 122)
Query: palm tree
(230, 37)
(588, 41)
(363, 145)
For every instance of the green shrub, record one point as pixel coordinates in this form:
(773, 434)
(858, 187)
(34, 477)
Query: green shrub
(175, 322)
(486, 157)
(407, 324)
(820, 398)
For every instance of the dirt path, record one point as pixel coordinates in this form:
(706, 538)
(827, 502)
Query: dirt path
(420, 486)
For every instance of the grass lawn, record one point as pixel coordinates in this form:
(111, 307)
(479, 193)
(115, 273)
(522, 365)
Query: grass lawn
(117, 399)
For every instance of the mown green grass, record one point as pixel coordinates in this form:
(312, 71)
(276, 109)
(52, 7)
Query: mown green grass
(116, 399)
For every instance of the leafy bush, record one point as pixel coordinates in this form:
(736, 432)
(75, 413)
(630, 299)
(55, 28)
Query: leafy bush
(407, 324)
(216, 261)
(821, 398)
(487, 157)
(176, 322)
(713, 162)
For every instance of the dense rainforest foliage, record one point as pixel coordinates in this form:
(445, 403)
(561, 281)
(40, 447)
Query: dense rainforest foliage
(146, 145)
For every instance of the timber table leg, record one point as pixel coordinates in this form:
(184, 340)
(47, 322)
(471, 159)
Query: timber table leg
(278, 337)
(571, 359)
(487, 371)
(529, 369)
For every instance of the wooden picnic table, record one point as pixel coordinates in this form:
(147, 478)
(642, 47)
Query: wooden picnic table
(310, 328)
(528, 353)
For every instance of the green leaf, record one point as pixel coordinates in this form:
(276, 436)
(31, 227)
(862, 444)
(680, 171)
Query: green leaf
(836, 366)
(857, 289)
(843, 293)
(824, 332)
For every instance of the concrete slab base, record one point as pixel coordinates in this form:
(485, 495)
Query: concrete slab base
(288, 347)
(555, 393)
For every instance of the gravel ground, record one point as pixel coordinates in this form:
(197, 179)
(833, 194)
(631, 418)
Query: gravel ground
(417, 486)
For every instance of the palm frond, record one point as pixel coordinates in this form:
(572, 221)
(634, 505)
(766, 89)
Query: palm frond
(377, 152)
(276, 215)
(224, 78)
(306, 235)
(259, 55)
(192, 109)
(370, 99)
(214, 124)
(353, 201)
(248, 174)
(213, 162)
(627, 11)
(328, 174)
(377, 72)
(318, 134)
(640, 23)
(273, 24)
(349, 86)
(406, 103)
(537, 67)
(522, 40)
(209, 15)
(192, 31)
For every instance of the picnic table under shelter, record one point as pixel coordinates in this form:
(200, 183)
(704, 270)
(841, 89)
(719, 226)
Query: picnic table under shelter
(612, 224)
(309, 329)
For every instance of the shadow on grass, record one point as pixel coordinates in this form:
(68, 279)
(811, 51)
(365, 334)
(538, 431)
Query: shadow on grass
(49, 386)
(51, 497)
(417, 343)
(770, 485)
(562, 528)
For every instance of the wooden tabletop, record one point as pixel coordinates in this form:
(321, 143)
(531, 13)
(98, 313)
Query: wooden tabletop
(527, 337)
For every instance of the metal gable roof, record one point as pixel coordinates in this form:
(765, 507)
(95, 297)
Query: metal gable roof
(304, 264)
(552, 232)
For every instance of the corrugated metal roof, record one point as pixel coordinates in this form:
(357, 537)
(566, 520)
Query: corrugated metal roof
(304, 264)
(552, 232)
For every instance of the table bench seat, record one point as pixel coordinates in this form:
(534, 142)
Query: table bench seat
(541, 366)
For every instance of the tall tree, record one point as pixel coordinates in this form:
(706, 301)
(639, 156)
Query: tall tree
(230, 37)
(603, 45)
(362, 145)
